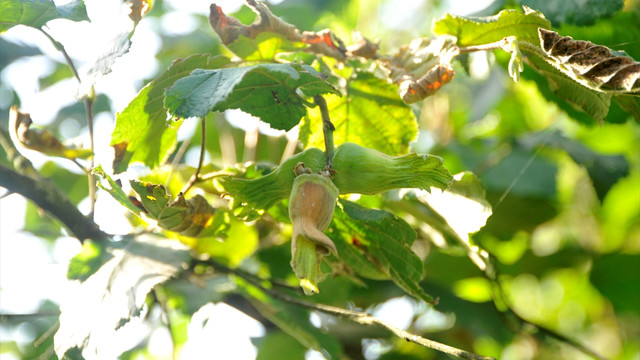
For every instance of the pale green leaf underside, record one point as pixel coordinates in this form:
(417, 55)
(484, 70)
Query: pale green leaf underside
(370, 114)
(594, 103)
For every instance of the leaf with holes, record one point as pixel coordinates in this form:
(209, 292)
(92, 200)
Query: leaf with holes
(594, 66)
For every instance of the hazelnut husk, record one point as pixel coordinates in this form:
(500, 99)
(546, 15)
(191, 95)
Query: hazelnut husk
(313, 199)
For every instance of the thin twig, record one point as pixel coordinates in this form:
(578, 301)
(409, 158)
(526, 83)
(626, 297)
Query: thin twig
(543, 330)
(195, 177)
(483, 47)
(327, 129)
(49, 333)
(176, 160)
(216, 174)
(88, 108)
(352, 315)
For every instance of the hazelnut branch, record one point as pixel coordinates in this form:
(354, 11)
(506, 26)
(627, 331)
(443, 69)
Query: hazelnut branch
(327, 130)
(351, 315)
(88, 107)
(196, 176)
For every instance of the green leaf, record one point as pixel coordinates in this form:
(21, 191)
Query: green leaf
(143, 132)
(279, 345)
(92, 256)
(240, 242)
(595, 104)
(371, 114)
(616, 276)
(36, 13)
(185, 216)
(116, 292)
(604, 170)
(628, 103)
(265, 46)
(268, 91)
(484, 30)
(577, 12)
(385, 240)
(116, 191)
(41, 224)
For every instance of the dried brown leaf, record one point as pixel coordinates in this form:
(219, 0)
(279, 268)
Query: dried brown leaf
(415, 90)
(229, 29)
(41, 140)
(362, 47)
(594, 66)
(422, 67)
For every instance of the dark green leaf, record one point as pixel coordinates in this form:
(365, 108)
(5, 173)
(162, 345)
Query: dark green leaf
(616, 276)
(484, 30)
(370, 114)
(385, 240)
(628, 103)
(143, 132)
(36, 13)
(575, 12)
(267, 91)
(604, 170)
(279, 345)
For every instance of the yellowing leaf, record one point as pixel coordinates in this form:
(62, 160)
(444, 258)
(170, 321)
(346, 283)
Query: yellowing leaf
(40, 140)
(186, 217)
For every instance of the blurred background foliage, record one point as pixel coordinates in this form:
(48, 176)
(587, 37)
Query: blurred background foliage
(565, 229)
